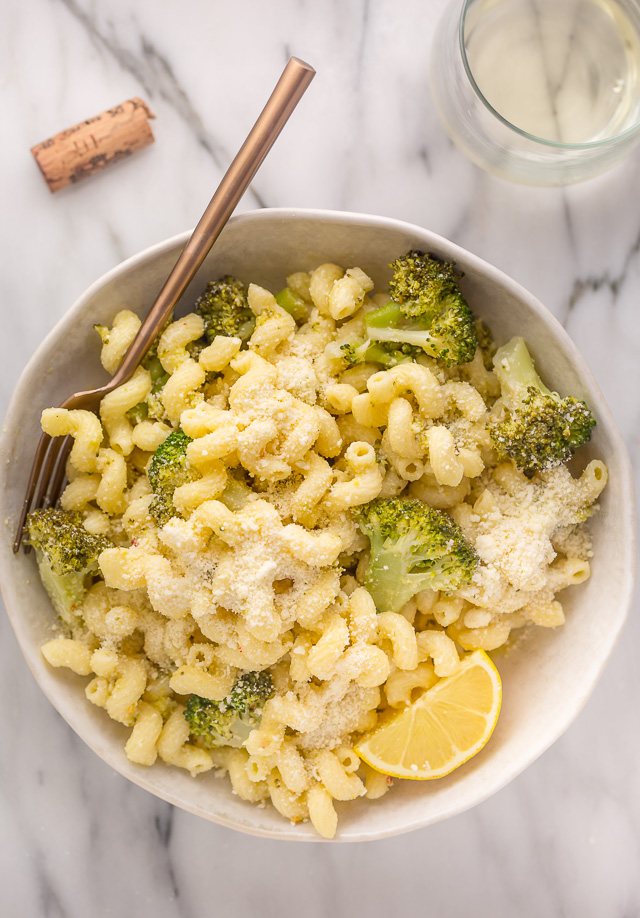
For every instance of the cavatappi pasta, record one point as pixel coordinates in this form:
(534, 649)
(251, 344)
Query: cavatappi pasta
(261, 567)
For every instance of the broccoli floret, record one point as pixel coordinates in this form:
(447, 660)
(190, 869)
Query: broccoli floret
(427, 310)
(224, 309)
(355, 351)
(413, 548)
(210, 721)
(66, 552)
(61, 537)
(169, 470)
(229, 722)
(541, 429)
(249, 693)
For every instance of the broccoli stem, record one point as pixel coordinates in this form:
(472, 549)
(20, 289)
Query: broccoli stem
(377, 354)
(515, 369)
(138, 413)
(416, 337)
(66, 591)
(293, 303)
(385, 317)
(388, 580)
(158, 374)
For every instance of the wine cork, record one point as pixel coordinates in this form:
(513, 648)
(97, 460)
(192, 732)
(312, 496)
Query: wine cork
(94, 144)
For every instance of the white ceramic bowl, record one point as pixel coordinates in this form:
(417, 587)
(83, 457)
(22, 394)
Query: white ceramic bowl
(546, 681)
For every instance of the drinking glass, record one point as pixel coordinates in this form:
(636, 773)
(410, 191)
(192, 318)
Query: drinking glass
(542, 92)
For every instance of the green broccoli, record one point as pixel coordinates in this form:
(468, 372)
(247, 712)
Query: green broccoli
(413, 548)
(159, 376)
(293, 303)
(237, 492)
(169, 470)
(541, 429)
(224, 309)
(66, 552)
(138, 413)
(390, 355)
(427, 311)
(249, 693)
(229, 722)
(358, 350)
(355, 350)
(210, 721)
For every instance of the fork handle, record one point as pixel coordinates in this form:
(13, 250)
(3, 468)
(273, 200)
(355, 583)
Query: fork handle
(289, 89)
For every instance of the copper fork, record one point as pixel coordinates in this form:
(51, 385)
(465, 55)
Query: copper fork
(48, 469)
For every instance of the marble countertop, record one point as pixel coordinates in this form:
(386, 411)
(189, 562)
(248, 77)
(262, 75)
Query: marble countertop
(76, 839)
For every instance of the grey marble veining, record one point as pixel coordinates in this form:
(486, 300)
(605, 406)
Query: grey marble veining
(77, 840)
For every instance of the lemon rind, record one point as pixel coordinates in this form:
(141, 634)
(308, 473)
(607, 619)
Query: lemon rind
(410, 775)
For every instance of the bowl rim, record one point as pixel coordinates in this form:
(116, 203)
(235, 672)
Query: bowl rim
(434, 240)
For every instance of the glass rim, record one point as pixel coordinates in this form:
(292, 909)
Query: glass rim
(556, 144)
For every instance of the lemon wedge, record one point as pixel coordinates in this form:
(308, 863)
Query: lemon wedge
(443, 728)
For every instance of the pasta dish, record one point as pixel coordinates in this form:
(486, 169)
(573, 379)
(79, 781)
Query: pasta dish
(306, 518)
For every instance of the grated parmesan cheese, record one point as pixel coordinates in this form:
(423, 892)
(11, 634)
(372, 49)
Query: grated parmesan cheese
(340, 718)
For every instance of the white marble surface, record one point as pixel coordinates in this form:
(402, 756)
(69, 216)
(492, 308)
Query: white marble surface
(76, 839)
